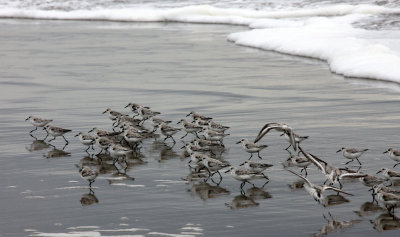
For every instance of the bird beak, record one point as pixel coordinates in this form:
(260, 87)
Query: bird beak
(241, 164)
(104, 112)
(386, 152)
(371, 189)
(227, 171)
(126, 106)
(26, 119)
(339, 151)
(76, 135)
(179, 122)
(182, 147)
(238, 142)
(379, 171)
(91, 130)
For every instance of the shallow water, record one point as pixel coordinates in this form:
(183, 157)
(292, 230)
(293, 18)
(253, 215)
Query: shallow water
(72, 71)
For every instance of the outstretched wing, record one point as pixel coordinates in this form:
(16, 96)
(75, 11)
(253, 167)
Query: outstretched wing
(315, 160)
(305, 179)
(326, 187)
(264, 130)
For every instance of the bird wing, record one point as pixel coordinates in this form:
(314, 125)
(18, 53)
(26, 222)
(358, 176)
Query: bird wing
(393, 174)
(305, 179)
(292, 139)
(315, 160)
(265, 129)
(326, 187)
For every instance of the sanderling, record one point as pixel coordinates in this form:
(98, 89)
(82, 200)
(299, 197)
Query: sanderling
(214, 136)
(389, 200)
(206, 143)
(189, 147)
(333, 174)
(196, 116)
(256, 167)
(393, 176)
(217, 127)
(134, 107)
(86, 140)
(38, 122)
(380, 187)
(251, 147)
(103, 133)
(297, 139)
(213, 165)
(157, 121)
(168, 131)
(88, 174)
(279, 127)
(371, 180)
(394, 155)
(190, 128)
(202, 123)
(352, 153)
(117, 150)
(146, 113)
(316, 190)
(103, 143)
(113, 115)
(243, 175)
(57, 131)
(301, 162)
(195, 157)
(131, 136)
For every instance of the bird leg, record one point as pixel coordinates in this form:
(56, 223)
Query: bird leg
(185, 135)
(258, 153)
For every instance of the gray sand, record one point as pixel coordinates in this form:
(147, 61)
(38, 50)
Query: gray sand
(72, 71)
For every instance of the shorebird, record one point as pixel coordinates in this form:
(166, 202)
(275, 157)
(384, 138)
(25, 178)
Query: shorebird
(333, 174)
(197, 116)
(57, 132)
(190, 148)
(38, 122)
(256, 167)
(391, 175)
(297, 139)
(113, 115)
(371, 180)
(117, 150)
(252, 147)
(190, 128)
(352, 153)
(242, 175)
(103, 133)
(168, 131)
(316, 190)
(88, 174)
(157, 121)
(214, 136)
(103, 143)
(146, 113)
(217, 127)
(213, 165)
(86, 140)
(281, 127)
(389, 200)
(132, 136)
(134, 107)
(394, 155)
(301, 162)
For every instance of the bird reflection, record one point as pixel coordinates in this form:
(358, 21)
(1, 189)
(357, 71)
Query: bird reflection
(38, 145)
(196, 175)
(386, 222)
(296, 185)
(257, 193)
(334, 225)
(89, 199)
(369, 208)
(56, 153)
(206, 191)
(167, 154)
(242, 201)
(333, 199)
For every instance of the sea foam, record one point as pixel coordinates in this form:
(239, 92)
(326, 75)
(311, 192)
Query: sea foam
(324, 32)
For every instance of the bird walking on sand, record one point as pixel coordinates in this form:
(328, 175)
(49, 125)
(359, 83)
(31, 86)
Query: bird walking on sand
(391, 175)
(88, 174)
(352, 153)
(57, 132)
(86, 140)
(252, 147)
(256, 167)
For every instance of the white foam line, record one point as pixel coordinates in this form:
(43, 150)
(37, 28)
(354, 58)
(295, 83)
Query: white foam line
(76, 187)
(129, 185)
(169, 181)
(82, 227)
(172, 235)
(35, 197)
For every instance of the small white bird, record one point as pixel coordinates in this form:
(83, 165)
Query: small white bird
(88, 174)
(251, 147)
(214, 136)
(297, 139)
(389, 200)
(352, 153)
(394, 155)
(57, 132)
(168, 131)
(217, 127)
(242, 175)
(391, 175)
(256, 167)
(38, 122)
(197, 116)
(213, 165)
(301, 162)
(86, 140)
(190, 128)
(117, 150)
(113, 115)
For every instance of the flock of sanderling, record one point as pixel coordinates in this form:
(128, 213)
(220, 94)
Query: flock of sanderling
(125, 142)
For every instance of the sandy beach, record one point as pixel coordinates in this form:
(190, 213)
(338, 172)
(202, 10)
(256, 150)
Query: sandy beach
(71, 71)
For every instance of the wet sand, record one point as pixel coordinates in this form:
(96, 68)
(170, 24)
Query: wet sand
(72, 71)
